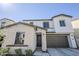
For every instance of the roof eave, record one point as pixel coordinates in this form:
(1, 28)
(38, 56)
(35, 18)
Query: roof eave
(22, 23)
(62, 15)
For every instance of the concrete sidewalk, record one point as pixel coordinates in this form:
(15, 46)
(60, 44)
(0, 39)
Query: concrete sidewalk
(58, 52)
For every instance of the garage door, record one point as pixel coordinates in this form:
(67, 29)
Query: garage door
(57, 41)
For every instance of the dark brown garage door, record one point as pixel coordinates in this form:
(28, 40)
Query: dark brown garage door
(57, 41)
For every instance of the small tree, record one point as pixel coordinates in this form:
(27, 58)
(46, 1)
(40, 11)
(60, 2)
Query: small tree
(1, 37)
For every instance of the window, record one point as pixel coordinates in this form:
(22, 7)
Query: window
(19, 39)
(62, 23)
(3, 24)
(31, 23)
(46, 24)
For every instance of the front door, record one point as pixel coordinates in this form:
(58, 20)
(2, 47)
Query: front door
(39, 40)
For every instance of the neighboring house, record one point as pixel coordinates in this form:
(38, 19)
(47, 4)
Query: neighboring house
(5, 22)
(75, 24)
(76, 33)
(56, 32)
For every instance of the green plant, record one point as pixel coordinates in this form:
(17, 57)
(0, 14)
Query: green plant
(1, 39)
(8, 50)
(18, 52)
(1, 35)
(28, 52)
(4, 51)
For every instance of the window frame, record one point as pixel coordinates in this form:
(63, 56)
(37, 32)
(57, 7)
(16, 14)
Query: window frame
(19, 40)
(62, 23)
(46, 24)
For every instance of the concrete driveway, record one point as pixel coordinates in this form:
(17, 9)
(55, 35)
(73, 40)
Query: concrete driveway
(58, 52)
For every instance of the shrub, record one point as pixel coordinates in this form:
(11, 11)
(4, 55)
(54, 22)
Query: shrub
(1, 38)
(28, 52)
(18, 52)
(7, 50)
(4, 51)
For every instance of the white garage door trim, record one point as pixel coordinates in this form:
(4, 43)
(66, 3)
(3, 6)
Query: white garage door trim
(60, 38)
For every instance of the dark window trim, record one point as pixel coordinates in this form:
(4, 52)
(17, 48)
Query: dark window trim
(62, 23)
(46, 24)
(22, 40)
(16, 45)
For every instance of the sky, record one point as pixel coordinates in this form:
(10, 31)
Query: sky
(22, 11)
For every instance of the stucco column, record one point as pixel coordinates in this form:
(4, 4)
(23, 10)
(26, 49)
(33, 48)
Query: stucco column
(69, 41)
(72, 41)
(44, 46)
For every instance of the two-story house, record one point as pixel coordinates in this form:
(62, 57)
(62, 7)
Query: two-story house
(56, 32)
(59, 30)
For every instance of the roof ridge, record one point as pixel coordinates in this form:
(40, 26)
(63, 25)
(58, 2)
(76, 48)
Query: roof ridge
(63, 15)
(22, 23)
(7, 19)
(36, 19)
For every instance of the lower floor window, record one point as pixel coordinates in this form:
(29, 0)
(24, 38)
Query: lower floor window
(19, 38)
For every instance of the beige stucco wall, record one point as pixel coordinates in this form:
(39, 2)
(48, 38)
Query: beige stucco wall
(44, 44)
(29, 39)
(67, 29)
(40, 23)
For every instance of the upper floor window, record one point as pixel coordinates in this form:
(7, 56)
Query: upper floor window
(3, 24)
(62, 23)
(46, 24)
(19, 39)
(31, 23)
